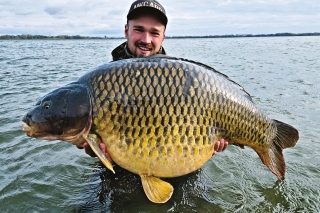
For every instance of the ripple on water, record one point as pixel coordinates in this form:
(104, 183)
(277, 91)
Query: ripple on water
(280, 73)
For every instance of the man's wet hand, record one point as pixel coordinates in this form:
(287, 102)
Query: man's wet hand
(220, 146)
(90, 152)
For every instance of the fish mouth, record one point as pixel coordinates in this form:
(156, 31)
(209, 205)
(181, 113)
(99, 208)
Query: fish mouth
(26, 128)
(33, 131)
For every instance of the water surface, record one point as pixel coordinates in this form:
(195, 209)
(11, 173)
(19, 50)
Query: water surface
(282, 75)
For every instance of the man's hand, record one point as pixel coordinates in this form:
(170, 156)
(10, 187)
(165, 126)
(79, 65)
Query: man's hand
(220, 146)
(89, 151)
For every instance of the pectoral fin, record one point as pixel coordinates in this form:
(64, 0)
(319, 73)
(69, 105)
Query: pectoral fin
(93, 143)
(158, 191)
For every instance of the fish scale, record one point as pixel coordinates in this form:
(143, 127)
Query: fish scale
(165, 88)
(169, 80)
(159, 117)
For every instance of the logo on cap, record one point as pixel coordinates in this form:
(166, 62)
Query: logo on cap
(149, 4)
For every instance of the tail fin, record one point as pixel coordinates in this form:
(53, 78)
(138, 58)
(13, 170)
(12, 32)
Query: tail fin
(286, 137)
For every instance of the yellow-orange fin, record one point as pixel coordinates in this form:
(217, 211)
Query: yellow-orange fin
(157, 190)
(93, 143)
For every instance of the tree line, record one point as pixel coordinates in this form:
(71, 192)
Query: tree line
(249, 35)
(29, 36)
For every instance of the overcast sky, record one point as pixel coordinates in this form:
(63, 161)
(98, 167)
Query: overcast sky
(195, 18)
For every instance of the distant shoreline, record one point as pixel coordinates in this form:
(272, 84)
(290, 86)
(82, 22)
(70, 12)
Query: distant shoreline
(31, 37)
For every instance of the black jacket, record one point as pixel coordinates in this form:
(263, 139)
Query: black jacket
(122, 52)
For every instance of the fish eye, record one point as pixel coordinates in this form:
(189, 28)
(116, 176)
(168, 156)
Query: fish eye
(46, 105)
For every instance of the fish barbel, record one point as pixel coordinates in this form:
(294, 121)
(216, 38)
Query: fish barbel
(159, 117)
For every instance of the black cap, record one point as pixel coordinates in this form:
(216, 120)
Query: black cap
(153, 6)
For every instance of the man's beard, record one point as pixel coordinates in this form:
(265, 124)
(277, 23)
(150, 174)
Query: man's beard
(144, 46)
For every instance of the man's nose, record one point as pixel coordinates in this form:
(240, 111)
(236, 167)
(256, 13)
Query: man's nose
(146, 38)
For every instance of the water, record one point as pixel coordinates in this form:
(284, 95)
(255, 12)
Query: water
(282, 75)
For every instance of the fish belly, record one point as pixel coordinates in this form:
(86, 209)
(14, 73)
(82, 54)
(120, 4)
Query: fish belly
(159, 155)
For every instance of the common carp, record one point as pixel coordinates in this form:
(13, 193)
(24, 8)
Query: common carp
(159, 117)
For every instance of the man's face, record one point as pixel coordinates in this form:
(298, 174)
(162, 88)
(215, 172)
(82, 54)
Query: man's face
(145, 35)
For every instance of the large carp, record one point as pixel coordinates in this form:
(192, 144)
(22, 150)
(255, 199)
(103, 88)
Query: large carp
(159, 117)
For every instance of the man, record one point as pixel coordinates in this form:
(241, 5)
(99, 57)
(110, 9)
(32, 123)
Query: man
(145, 32)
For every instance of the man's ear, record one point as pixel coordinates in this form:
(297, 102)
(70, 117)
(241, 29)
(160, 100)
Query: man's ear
(164, 36)
(126, 29)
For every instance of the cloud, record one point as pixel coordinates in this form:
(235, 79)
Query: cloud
(54, 10)
(203, 17)
(244, 17)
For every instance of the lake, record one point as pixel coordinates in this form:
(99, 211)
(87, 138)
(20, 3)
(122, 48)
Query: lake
(282, 74)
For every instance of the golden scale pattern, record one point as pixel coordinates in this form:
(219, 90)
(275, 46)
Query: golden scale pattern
(168, 114)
